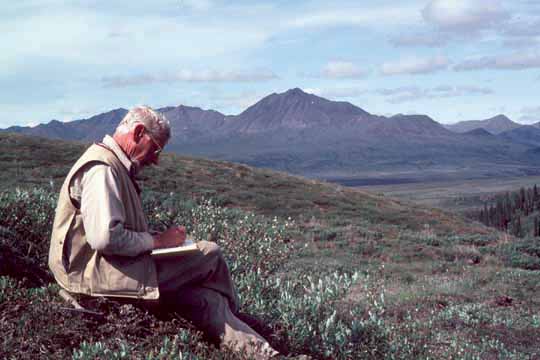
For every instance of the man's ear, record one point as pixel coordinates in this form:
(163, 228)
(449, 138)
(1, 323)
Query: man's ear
(138, 132)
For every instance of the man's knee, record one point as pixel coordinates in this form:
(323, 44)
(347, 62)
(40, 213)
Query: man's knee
(206, 309)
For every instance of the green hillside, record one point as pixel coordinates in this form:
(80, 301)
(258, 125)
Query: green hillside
(334, 272)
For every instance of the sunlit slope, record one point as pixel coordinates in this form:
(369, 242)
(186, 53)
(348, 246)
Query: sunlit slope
(32, 161)
(368, 276)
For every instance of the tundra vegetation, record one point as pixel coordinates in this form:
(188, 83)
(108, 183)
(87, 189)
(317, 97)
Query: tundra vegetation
(332, 272)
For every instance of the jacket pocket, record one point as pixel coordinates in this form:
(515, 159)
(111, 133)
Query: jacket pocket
(119, 275)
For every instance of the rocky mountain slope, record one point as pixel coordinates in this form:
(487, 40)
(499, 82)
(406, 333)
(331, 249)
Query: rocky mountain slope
(306, 134)
(494, 125)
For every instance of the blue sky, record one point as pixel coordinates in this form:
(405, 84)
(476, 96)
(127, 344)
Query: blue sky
(450, 59)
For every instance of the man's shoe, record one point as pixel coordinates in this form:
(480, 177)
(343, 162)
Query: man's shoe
(256, 324)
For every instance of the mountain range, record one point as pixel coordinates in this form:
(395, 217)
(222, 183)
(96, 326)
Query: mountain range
(309, 135)
(495, 125)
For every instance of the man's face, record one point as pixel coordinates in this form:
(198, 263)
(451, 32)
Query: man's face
(148, 149)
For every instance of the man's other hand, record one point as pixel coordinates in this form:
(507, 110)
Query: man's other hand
(171, 237)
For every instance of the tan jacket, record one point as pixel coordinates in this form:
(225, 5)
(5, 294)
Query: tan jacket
(80, 269)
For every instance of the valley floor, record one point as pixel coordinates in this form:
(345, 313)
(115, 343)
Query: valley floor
(458, 195)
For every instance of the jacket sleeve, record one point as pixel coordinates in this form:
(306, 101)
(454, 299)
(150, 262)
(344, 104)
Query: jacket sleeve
(103, 214)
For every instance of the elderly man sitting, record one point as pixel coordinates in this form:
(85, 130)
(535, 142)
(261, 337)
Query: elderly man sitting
(100, 243)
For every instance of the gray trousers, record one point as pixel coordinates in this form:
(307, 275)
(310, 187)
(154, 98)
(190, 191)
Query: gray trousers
(198, 285)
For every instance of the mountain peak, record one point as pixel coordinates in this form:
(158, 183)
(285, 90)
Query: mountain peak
(400, 125)
(296, 109)
(296, 92)
(412, 116)
(501, 118)
(495, 125)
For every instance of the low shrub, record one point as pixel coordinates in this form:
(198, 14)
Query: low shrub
(26, 218)
(302, 310)
(521, 253)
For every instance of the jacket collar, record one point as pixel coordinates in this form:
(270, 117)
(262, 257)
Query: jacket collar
(120, 154)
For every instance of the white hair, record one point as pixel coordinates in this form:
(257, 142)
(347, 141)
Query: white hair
(156, 123)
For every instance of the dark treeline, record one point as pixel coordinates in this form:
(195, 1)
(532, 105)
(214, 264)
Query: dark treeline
(511, 211)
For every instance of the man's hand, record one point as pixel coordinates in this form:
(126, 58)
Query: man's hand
(171, 237)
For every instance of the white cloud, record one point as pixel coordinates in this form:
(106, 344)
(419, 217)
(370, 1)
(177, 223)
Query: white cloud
(415, 66)
(186, 75)
(443, 88)
(197, 5)
(472, 90)
(314, 91)
(399, 91)
(414, 93)
(402, 94)
(342, 70)
(333, 93)
(87, 37)
(44, 110)
(520, 42)
(465, 21)
(516, 61)
(530, 115)
(522, 28)
(234, 102)
(420, 39)
(464, 16)
(358, 16)
(54, 48)
(103, 34)
(522, 33)
(75, 112)
(406, 97)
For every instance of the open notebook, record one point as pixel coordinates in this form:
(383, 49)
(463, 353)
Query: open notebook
(188, 245)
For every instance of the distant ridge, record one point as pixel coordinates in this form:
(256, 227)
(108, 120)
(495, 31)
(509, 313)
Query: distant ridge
(189, 123)
(305, 134)
(295, 109)
(478, 132)
(411, 125)
(494, 125)
(91, 129)
(526, 135)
